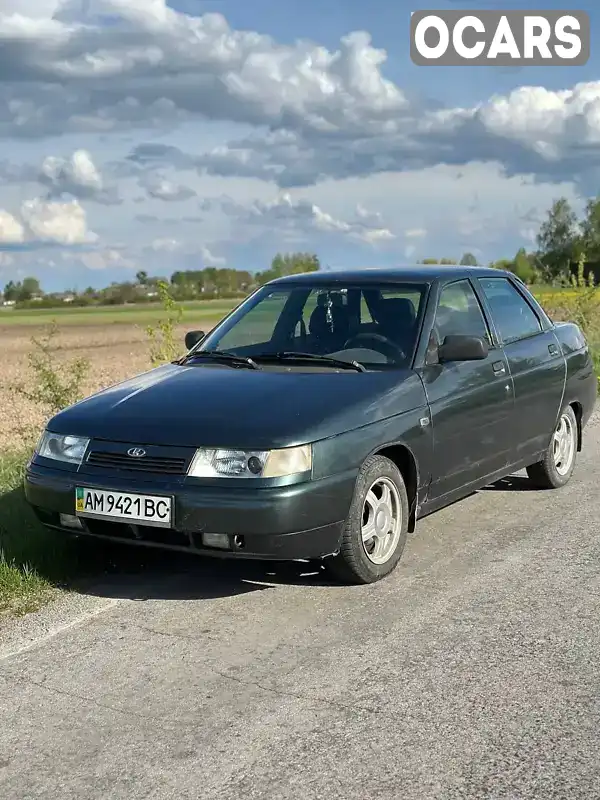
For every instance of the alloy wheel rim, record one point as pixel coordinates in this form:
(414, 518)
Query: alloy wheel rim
(381, 521)
(563, 445)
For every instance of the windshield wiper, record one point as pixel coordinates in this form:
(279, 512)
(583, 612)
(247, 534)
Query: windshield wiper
(219, 355)
(292, 355)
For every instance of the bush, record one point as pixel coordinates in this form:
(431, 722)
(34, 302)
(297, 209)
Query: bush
(54, 385)
(580, 304)
(33, 562)
(163, 341)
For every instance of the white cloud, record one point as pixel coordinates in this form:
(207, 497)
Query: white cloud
(460, 209)
(210, 260)
(554, 135)
(105, 259)
(41, 222)
(298, 217)
(309, 140)
(11, 230)
(161, 188)
(328, 113)
(173, 247)
(77, 176)
(195, 65)
(169, 245)
(36, 9)
(78, 170)
(63, 223)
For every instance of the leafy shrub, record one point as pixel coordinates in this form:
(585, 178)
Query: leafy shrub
(580, 304)
(163, 342)
(53, 385)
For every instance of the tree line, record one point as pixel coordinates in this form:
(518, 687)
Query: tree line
(563, 241)
(184, 285)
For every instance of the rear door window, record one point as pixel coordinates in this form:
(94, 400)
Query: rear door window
(513, 316)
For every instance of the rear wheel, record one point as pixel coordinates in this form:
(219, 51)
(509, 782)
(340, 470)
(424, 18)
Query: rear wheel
(375, 531)
(558, 463)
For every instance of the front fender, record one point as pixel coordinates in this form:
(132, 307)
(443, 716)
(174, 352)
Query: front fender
(347, 451)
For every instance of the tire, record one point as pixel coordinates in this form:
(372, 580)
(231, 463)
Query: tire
(370, 561)
(557, 465)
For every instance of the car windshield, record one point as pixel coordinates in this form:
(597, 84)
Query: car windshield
(375, 325)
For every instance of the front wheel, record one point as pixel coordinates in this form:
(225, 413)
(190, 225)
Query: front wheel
(558, 463)
(374, 535)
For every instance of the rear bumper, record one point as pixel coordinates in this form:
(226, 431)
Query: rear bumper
(300, 521)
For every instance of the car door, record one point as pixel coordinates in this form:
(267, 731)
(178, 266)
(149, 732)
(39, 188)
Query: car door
(536, 364)
(471, 402)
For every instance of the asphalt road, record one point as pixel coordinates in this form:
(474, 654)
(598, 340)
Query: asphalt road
(473, 672)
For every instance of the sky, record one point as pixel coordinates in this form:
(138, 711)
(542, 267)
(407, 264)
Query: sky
(161, 135)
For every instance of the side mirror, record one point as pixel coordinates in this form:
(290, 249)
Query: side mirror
(463, 348)
(192, 338)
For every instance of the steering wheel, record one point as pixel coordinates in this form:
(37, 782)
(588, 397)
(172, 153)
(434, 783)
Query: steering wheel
(390, 349)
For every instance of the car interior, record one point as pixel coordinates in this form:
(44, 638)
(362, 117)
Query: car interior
(390, 327)
(377, 325)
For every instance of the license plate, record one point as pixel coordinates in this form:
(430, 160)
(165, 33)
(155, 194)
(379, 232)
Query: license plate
(144, 509)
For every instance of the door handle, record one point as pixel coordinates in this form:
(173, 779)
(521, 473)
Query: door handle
(499, 368)
(553, 349)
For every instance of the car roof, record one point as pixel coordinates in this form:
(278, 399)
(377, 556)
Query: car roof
(422, 273)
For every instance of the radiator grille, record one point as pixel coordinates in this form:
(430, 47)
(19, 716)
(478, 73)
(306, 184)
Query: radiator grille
(121, 461)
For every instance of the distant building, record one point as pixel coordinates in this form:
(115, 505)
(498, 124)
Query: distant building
(66, 297)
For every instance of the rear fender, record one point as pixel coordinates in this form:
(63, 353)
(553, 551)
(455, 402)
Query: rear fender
(581, 384)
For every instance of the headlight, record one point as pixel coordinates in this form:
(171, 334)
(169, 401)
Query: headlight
(70, 449)
(251, 463)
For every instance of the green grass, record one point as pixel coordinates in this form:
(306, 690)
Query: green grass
(37, 565)
(22, 591)
(146, 314)
(34, 563)
(546, 288)
(209, 311)
(25, 581)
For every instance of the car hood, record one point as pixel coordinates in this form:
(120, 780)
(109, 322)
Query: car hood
(217, 406)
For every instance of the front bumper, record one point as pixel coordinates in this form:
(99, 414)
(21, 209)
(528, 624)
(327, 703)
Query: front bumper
(300, 521)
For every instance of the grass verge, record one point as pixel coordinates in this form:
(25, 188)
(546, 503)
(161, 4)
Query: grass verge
(26, 560)
(37, 565)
